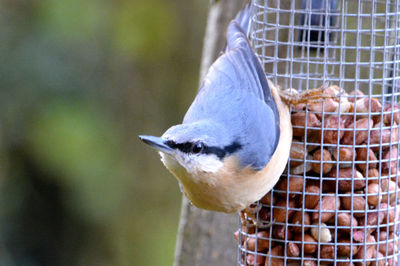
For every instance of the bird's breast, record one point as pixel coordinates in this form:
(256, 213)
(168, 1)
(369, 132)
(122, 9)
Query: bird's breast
(230, 189)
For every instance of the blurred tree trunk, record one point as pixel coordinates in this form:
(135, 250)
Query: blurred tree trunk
(204, 237)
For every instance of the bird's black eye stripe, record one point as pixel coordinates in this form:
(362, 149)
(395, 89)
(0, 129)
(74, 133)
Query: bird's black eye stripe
(199, 147)
(183, 147)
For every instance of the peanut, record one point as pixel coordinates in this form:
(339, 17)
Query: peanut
(380, 260)
(327, 252)
(345, 248)
(390, 218)
(328, 105)
(333, 90)
(299, 123)
(313, 141)
(358, 236)
(326, 156)
(253, 259)
(394, 109)
(309, 263)
(390, 160)
(297, 154)
(389, 135)
(347, 119)
(355, 95)
(295, 184)
(345, 154)
(369, 254)
(389, 189)
(260, 240)
(367, 155)
(279, 214)
(344, 106)
(396, 178)
(359, 204)
(373, 219)
(359, 133)
(332, 125)
(312, 200)
(327, 208)
(267, 199)
(374, 194)
(309, 247)
(300, 218)
(387, 243)
(300, 169)
(292, 250)
(363, 105)
(346, 220)
(280, 232)
(373, 175)
(349, 179)
(276, 251)
(321, 232)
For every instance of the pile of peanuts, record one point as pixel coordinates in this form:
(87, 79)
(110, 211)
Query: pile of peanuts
(339, 203)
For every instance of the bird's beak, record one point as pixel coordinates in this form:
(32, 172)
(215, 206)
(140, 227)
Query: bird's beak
(157, 143)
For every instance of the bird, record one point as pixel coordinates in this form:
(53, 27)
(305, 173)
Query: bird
(235, 138)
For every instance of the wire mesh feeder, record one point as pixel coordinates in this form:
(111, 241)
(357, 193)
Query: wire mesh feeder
(338, 202)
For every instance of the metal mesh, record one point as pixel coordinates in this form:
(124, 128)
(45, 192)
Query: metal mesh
(339, 204)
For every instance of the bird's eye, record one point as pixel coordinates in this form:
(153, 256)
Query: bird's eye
(197, 147)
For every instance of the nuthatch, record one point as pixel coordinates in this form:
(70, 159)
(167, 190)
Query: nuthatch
(235, 139)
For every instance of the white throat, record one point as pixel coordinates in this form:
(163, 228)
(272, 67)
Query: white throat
(194, 165)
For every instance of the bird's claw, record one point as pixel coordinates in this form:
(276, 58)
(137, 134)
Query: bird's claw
(249, 217)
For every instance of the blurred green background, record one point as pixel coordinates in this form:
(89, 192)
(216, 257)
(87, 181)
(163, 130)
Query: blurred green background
(79, 80)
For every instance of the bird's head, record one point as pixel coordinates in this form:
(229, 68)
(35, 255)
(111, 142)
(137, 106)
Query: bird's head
(189, 150)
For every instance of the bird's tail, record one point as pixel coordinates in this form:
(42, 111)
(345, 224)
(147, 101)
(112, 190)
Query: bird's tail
(243, 20)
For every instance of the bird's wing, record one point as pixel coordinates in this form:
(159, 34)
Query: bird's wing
(236, 94)
(243, 57)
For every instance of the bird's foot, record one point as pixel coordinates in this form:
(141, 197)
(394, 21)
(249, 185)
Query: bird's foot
(249, 217)
(316, 95)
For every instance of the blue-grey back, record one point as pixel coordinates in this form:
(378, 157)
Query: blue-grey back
(236, 96)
